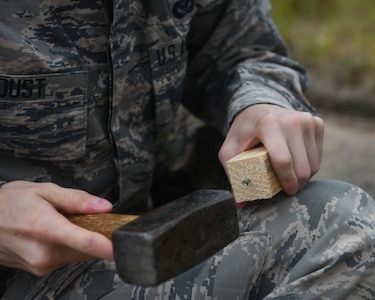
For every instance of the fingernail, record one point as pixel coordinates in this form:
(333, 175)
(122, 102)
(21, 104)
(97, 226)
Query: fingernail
(101, 203)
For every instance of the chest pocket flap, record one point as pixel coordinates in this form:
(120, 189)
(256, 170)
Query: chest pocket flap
(44, 116)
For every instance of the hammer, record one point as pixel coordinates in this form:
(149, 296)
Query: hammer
(170, 239)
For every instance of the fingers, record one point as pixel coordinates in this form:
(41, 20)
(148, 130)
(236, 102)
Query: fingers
(36, 237)
(73, 201)
(71, 236)
(293, 139)
(53, 240)
(313, 142)
(282, 163)
(42, 258)
(319, 134)
(53, 227)
(63, 199)
(299, 151)
(62, 240)
(240, 137)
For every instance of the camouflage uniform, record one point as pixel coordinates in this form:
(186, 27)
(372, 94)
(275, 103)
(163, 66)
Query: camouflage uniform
(89, 94)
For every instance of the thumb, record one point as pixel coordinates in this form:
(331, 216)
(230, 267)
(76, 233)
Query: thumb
(74, 201)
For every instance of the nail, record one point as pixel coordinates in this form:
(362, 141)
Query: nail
(101, 203)
(246, 182)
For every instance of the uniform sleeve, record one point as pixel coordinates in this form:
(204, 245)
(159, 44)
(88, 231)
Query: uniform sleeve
(237, 59)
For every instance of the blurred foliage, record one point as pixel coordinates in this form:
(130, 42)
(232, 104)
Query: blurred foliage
(334, 37)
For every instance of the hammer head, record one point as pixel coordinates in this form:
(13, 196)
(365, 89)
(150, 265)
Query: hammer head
(175, 237)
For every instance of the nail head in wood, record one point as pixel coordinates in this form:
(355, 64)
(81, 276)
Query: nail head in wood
(251, 175)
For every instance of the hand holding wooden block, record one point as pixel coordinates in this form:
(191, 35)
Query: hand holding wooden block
(251, 175)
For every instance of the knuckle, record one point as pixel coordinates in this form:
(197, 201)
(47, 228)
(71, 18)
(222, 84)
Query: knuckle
(303, 174)
(284, 162)
(268, 120)
(79, 197)
(319, 121)
(42, 272)
(319, 125)
(40, 228)
(38, 188)
(49, 184)
(291, 185)
(42, 261)
(304, 120)
(298, 120)
(223, 155)
(87, 245)
(315, 168)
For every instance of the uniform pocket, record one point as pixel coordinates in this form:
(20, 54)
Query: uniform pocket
(44, 116)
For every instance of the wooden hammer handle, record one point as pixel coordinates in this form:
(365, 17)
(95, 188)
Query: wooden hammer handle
(104, 223)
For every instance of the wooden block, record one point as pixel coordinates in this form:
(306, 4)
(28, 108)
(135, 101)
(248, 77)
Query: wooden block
(251, 175)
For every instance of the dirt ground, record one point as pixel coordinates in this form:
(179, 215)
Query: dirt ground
(349, 150)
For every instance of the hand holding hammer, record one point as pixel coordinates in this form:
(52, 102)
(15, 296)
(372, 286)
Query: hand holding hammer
(170, 239)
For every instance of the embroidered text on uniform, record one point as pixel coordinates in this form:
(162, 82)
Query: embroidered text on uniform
(22, 88)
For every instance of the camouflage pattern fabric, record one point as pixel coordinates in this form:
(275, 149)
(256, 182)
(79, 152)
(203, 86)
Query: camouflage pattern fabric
(91, 93)
(316, 245)
(89, 89)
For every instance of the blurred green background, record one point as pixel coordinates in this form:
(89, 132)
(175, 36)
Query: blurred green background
(335, 41)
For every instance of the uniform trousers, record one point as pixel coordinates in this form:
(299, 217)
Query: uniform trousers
(318, 244)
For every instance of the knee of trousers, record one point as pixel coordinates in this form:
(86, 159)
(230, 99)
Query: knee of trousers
(321, 205)
(324, 225)
(336, 199)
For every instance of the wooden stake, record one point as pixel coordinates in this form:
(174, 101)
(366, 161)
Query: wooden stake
(251, 175)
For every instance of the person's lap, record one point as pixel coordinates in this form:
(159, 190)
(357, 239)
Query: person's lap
(319, 242)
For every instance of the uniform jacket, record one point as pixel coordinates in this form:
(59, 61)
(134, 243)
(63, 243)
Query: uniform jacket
(89, 89)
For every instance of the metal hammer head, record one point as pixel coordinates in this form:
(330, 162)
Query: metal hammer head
(175, 237)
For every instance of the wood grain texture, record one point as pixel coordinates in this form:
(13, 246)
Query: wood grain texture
(105, 223)
(251, 175)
